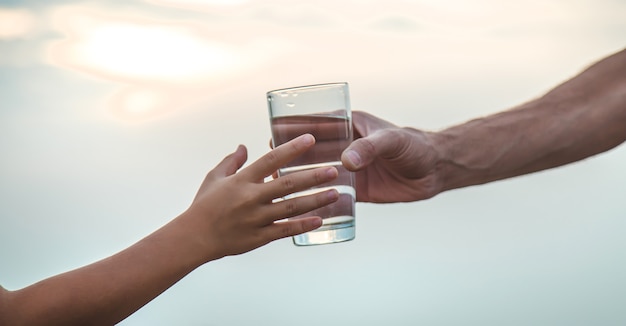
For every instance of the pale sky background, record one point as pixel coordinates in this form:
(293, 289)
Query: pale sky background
(111, 113)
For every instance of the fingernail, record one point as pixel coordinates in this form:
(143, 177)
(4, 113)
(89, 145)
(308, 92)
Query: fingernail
(316, 223)
(354, 158)
(331, 173)
(307, 139)
(333, 195)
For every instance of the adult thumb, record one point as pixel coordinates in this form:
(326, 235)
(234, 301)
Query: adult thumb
(360, 153)
(384, 143)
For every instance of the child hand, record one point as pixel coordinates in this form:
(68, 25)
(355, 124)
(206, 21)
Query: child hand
(234, 212)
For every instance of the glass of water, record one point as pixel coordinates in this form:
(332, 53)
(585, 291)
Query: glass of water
(323, 111)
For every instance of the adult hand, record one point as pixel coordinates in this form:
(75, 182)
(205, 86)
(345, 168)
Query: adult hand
(392, 164)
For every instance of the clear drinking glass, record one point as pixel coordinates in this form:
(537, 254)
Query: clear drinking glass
(323, 111)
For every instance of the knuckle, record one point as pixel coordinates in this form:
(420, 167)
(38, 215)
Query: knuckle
(287, 229)
(287, 183)
(321, 199)
(291, 207)
(271, 158)
(248, 197)
(367, 146)
(319, 176)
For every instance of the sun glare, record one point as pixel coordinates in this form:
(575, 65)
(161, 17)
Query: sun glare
(135, 50)
(145, 55)
(152, 52)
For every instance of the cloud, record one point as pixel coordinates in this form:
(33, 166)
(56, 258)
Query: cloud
(15, 23)
(198, 3)
(133, 50)
(396, 24)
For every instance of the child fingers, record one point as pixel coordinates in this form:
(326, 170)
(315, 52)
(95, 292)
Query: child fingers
(278, 157)
(292, 227)
(299, 205)
(232, 162)
(297, 181)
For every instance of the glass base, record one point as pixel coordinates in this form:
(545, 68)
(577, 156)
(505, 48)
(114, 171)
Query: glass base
(327, 234)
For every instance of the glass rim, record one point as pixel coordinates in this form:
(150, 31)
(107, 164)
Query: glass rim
(313, 86)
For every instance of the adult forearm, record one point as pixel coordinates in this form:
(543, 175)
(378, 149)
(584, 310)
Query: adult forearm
(580, 118)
